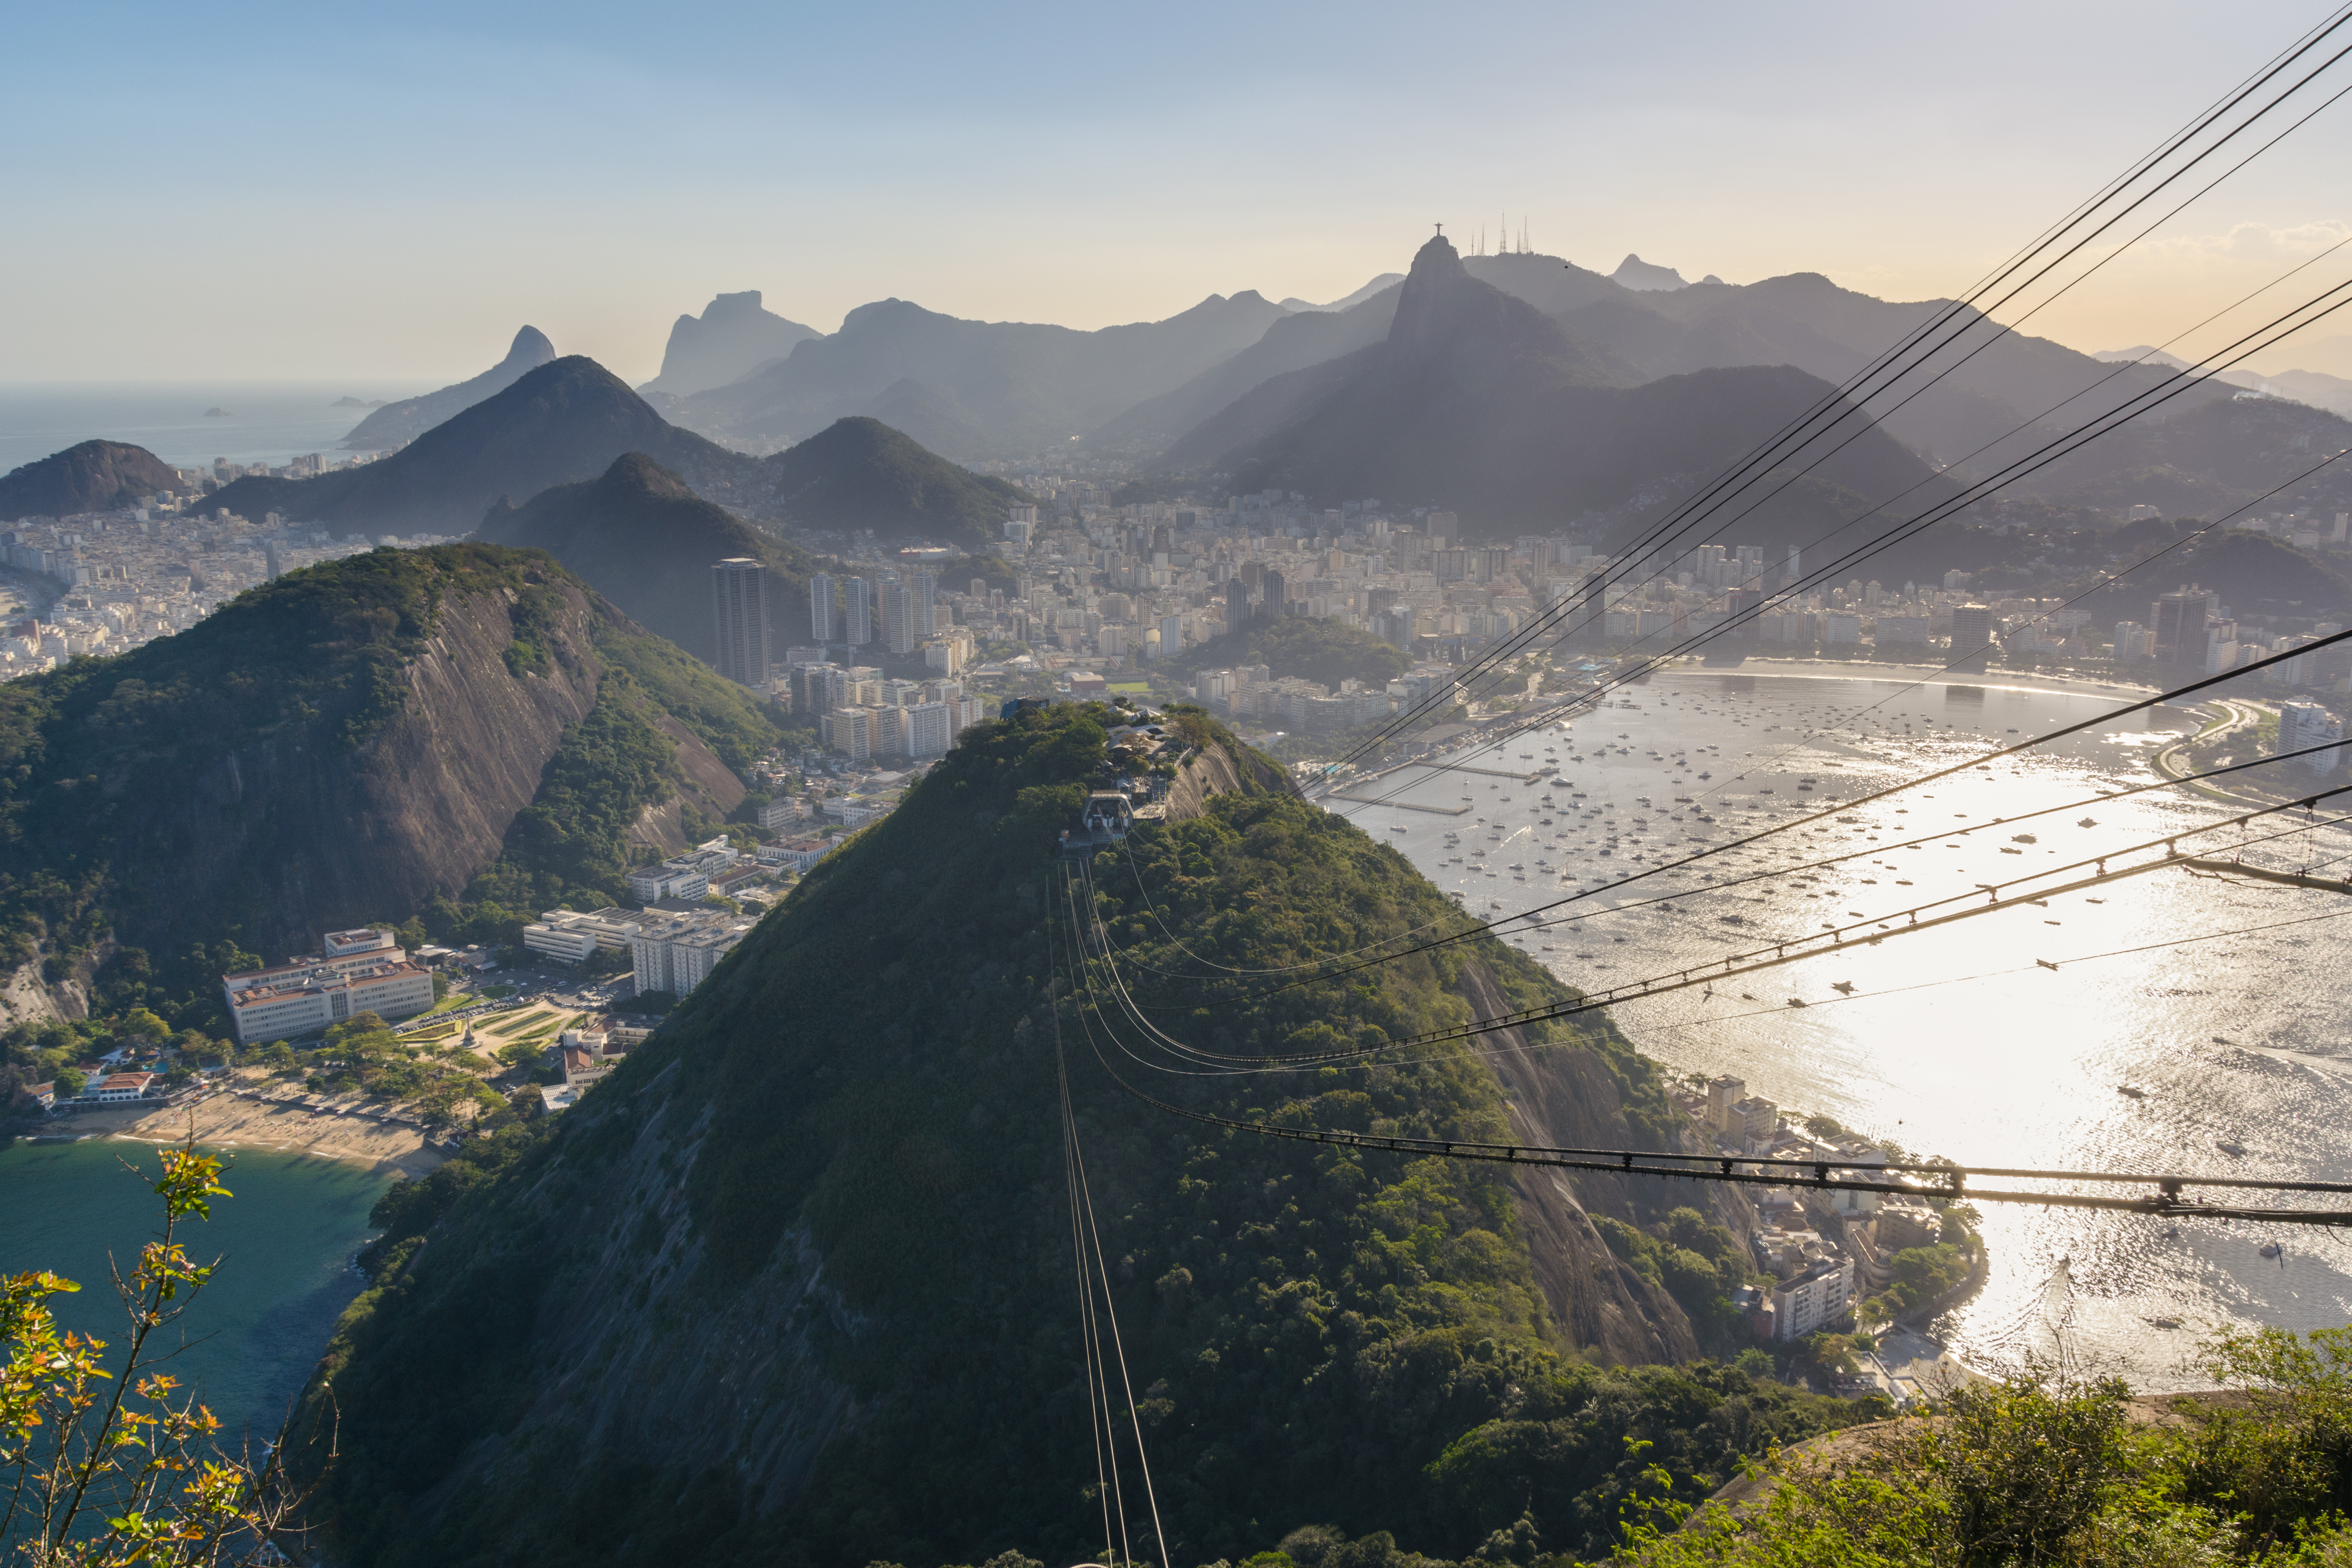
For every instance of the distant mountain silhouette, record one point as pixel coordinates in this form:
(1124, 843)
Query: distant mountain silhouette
(1320, 336)
(1294, 343)
(1997, 381)
(1456, 354)
(1385, 281)
(858, 473)
(563, 422)
(1635, 273)
(94, 475)
(2147, 352)
(1477, 400)
(411, 417)
(1003, 386)
(732, 338)
(1547, 282)
(640, 535)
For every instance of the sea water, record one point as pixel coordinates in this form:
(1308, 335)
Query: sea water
(284, 1244)
(260, 421)
(1958, 1041)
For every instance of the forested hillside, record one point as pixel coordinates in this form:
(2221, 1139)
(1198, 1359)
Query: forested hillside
(359, 741)
(795, 1285)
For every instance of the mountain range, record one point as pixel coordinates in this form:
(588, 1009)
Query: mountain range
(405, 420)
(969, 389)
(1192, 392)
(563, 421)
(93, 476)
(570, 420)
(1477, 399)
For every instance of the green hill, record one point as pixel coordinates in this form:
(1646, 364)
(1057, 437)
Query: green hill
(643, 539)
(795, 1285)
(439, 731)
(94, 475)
(858, 474)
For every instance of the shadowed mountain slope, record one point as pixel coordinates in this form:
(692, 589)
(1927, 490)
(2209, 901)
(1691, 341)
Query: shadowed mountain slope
(91, 476)
(639, 536)
(1477, 401)
(563, 422)
(859, 474)
(411, 416)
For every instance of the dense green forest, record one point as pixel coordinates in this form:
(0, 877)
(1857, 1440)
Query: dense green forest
(1320, 1336)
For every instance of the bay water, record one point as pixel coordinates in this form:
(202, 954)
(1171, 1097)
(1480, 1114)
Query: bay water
(284, 1243)
(2157, 1043)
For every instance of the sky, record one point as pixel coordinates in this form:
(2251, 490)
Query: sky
(271, 191)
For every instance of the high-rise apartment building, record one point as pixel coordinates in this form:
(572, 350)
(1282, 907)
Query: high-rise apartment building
(898, 611)
(739, 609)
(1270, 607)
(2305, 724)
(925, 588)
(1972, 646)
(858, 612)
(2178, 619)
(823, 621)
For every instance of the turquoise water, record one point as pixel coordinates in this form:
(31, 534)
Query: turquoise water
(284, 1241)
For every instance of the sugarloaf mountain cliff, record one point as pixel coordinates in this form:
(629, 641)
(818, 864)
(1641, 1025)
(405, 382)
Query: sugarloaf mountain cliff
(796, 1284)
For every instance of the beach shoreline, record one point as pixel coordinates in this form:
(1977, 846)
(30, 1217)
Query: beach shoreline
(231, 1120)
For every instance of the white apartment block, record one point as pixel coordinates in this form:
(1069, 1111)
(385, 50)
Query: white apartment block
(1813, 1300)
(676, 952)
(568, 936)
(648, 883)
(361, 972)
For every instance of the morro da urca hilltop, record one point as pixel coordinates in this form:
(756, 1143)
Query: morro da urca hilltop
(442, 730)
(775, 1274)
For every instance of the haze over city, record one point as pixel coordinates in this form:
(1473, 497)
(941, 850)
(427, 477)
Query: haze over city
(1278, 787)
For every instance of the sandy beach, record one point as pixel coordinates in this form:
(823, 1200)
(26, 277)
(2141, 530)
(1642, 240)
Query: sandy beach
(226, 1120)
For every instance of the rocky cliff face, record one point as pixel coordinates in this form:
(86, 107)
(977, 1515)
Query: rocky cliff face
(296, 835)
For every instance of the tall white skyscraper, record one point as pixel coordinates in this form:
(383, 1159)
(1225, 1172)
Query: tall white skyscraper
(824, 626)
(739, 605)
(857, 603)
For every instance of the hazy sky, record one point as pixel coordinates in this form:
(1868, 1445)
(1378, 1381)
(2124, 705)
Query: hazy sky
(253, 190)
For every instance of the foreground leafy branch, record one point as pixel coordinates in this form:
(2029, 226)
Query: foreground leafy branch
(104, 1464)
